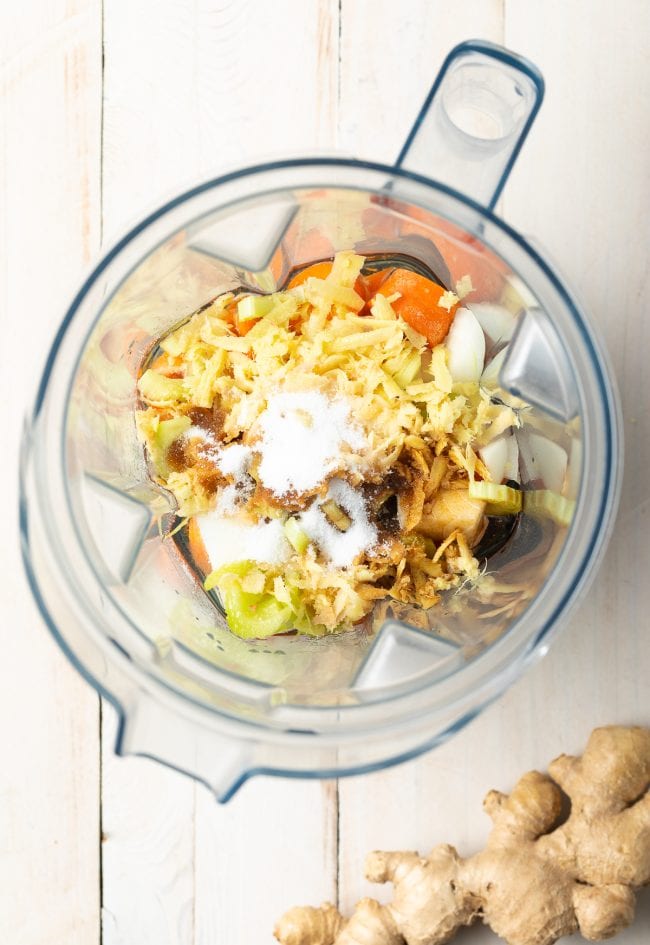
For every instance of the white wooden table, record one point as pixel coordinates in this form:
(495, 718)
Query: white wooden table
(106, 108)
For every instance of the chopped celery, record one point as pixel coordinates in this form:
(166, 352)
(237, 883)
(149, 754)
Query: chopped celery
(234, 570)
(169, 430)
(158, 389)
(254, 306)
(251, 616)
(501, 500)
(255, 616)
(549, 504)
(296, 537)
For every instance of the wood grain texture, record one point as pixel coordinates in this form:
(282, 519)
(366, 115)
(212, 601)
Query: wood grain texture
(580, 187)
(50, 101)
(192, 87)
(273, 845)
(390, 59)
(190, 90)
(196, 88)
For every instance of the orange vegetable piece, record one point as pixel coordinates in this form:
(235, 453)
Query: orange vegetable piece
(244, 327)
(319, 270)
(418, 304)
(232, 318)
(373, 282)
(368, 287)
(197, 548)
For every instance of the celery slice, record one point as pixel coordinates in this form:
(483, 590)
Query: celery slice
(550, 505)
(250, 616)
(157, 389)
(254, 306)
(170, 430)
(296, 537)
(255, 616)
(501, 500)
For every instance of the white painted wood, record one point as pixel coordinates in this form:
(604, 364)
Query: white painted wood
(582, 188)
(50, 98)
(192, 89)
(272, 846)
(147, 849)
(195, 88)
(390, 59)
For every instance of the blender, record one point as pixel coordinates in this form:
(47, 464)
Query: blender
(111, 583)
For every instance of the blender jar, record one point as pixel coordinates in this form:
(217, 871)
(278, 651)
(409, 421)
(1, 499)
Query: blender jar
(113, 585)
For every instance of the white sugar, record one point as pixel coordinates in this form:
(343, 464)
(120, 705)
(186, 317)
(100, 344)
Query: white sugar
(234, 460)
(340, 548)
(229, 539)
(200, 433)
(302, 438)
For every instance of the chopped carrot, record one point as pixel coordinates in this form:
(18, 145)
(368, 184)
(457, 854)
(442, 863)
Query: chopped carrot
(372, 282)
(243, 327)
(232, 318)
(319, 270)
(197, 548)
(419, 304)
(394, 221)
(230, 313)
(466, 255)
(368, 287)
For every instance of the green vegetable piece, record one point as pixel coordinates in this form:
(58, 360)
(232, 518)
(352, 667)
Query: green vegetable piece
(157, 389)
(296, 537)
(233, 570)
(255, 616)
(549, 504)
(501, 500)
(254, 306)
(250, 616)
(170, 430)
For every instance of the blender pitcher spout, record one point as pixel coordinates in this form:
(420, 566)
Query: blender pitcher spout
(474, 120)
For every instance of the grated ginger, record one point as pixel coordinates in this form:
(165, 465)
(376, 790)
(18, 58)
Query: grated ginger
(420, 431)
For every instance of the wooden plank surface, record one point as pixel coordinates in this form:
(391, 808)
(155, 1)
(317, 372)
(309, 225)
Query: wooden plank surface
(582, 188)
(191, 88)
(50, 110)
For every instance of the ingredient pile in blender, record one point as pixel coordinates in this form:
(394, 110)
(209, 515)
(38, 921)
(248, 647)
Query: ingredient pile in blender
(330, 445)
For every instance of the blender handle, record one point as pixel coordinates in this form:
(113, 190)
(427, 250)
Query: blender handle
(474, 120)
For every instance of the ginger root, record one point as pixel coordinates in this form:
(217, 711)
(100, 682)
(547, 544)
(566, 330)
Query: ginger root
(539, 877)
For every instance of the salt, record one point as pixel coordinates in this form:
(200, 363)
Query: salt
(340, 548)
(302, 435)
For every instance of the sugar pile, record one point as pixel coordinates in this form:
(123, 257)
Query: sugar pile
(302, 436)
(234, 460)
(341, 548)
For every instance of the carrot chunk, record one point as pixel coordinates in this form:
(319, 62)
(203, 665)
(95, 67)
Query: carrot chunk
(419, 304)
